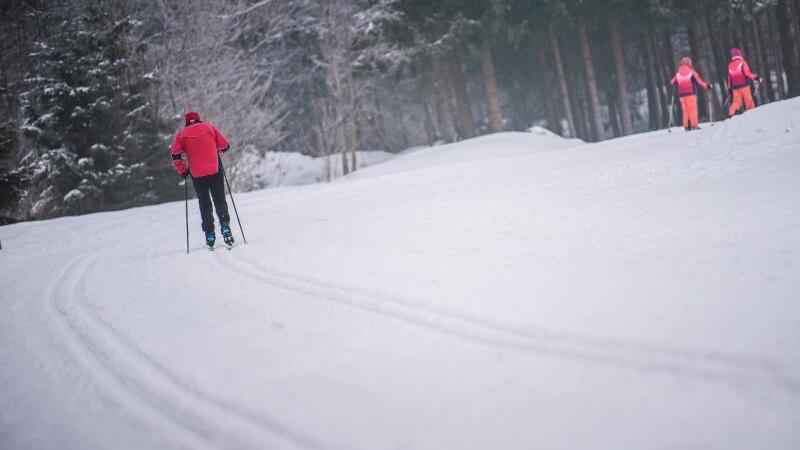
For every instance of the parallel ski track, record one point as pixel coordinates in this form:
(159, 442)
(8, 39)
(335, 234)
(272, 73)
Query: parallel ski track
(142, 384)
(741, 371)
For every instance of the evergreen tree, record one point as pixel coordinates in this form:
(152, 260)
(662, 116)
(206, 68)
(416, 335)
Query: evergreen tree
(91, 138)
(11, 181)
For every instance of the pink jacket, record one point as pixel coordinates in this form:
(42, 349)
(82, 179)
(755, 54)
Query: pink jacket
(739, 74)
(688, 80)
(200, 142)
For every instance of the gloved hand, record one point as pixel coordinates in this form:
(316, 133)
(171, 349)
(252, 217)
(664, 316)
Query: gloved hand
(227, 147)
(184, 174)
(710, 86)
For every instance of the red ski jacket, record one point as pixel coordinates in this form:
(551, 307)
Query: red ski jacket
(688, 80)
(739, 74)
(200, 142)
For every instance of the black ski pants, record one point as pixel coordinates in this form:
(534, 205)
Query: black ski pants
(208, 188)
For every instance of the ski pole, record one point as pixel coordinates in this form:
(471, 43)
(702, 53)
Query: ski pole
(230, 192)
(671, 112)
(186, 202)
(727, 97)
(711, 97)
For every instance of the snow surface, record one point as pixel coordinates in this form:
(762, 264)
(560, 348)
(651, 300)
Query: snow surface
(515, 291)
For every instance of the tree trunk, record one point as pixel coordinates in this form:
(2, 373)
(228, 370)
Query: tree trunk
(700, 34)
(613, 108)
(578, 108)
(519, 114)
(717, 46)
(523, 86)
(777, 60)
(429, 129)
(662, 51)
(374, 116)
(619, 70)
(338, 105)
(797, 14)
(562, 84)
(789, 44)
(462, 96)
(670, 61)
(731, 42)
(591, 83)
(544, 90)
(490, 84)
(653, 96)
(737, 36)
(750, 48)
(761, 58)
(353, 116)
(794, 12)
(443, 108)
(320, 119)
(696, 51)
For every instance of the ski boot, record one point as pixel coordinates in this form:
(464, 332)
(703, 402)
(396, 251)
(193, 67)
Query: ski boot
(227, 235)
(211, 238)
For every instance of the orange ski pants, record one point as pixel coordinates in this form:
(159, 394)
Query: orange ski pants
(741, 95)
(689, 106)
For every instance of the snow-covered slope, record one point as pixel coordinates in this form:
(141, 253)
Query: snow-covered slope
(501, 293)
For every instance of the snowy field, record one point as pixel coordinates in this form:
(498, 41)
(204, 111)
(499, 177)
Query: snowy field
(516, 291)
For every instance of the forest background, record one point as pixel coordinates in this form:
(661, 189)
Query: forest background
(92, 91)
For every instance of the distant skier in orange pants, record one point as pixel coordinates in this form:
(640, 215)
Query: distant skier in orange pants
(687, 81)
(740, 80)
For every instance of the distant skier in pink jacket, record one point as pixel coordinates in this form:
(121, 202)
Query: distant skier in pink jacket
(740, 81)
(687, 82)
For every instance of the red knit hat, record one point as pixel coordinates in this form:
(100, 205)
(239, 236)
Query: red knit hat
(190, 116)
(736, 53)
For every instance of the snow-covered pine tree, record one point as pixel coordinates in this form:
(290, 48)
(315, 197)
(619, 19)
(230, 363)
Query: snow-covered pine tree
(11, 180)
(90, 139)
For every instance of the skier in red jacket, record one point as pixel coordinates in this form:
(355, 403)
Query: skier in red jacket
(687, 81)
(201, 143)
(740, 79)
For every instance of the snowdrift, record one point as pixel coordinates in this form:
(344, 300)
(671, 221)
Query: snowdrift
(515, 291)
(493, 146)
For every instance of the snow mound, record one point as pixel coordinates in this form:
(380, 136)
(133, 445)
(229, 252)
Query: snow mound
(489, 147)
